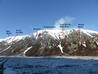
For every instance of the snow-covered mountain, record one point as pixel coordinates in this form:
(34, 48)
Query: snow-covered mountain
(13, 38)
(51, 42)
(56, 32)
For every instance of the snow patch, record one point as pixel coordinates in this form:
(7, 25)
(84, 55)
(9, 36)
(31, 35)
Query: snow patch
(97, 43)
(13, 38)
(27, 49)
(61, 48)
(5, 49)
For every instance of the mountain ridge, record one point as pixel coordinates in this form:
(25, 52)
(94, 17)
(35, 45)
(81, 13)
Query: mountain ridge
(52, 42)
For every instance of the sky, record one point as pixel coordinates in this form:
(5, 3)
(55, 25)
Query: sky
(29, 14)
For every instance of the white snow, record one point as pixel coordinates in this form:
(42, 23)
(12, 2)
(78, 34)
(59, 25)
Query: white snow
(61, 48)
(84, 44)
(55, 33)
(13, 38)
(97, 43)
(27, 50)
(5, 49)
(87, 32)
(90, 31)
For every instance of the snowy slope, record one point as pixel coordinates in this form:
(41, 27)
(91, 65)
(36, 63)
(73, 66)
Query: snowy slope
(50, 39)
(53, 32)
(13, 38)
(58, 32)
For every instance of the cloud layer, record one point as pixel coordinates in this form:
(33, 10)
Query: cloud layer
(64, 20)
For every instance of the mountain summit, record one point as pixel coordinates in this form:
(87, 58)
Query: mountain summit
(80, 42)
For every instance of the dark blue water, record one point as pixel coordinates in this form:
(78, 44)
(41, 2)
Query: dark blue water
(16, 65)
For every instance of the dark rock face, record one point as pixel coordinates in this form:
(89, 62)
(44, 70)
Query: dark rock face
(45, 52)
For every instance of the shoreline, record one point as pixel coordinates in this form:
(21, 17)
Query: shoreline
(63, 57)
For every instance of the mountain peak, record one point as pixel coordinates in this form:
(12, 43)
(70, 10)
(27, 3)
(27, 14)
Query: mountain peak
(56, 32)
(52, 42)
